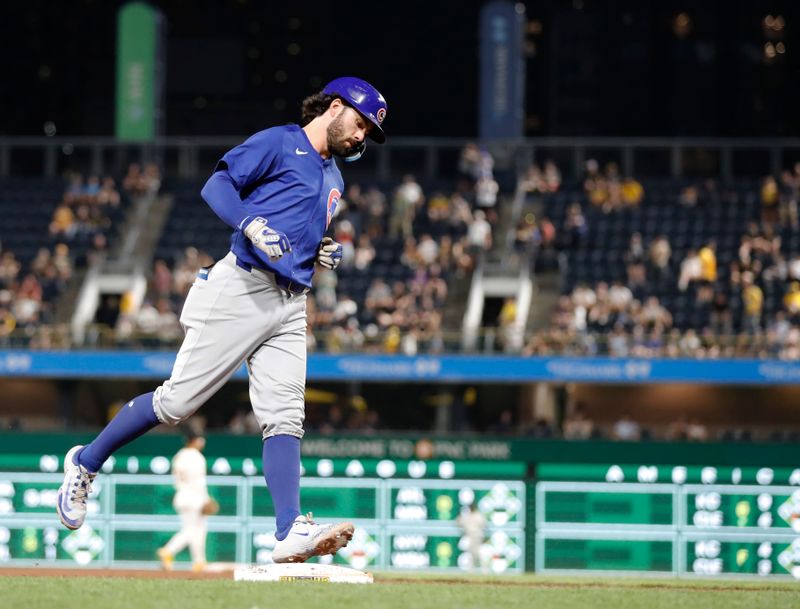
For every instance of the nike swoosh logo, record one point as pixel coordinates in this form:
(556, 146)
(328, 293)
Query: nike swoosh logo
(298, 151)
(302, 534)
(62, 511)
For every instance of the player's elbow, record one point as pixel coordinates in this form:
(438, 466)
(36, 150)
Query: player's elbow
(214, 192)
(207, 192)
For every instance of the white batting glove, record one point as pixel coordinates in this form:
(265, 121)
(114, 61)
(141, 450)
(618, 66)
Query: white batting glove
(273, 243)
(329, 254)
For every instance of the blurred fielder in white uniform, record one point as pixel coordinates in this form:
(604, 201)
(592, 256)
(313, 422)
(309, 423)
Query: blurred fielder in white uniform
(473, 523)
(191, 501)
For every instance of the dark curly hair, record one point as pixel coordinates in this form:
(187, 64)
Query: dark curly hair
(313, 106)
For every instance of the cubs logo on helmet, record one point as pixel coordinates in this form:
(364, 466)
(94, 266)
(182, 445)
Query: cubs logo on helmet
(365, 98)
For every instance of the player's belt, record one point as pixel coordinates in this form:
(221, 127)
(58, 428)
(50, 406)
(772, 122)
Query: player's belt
(286, 284)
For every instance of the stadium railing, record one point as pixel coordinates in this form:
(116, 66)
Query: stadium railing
(195, 156)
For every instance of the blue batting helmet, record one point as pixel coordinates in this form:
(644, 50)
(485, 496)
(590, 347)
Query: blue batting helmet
(363, 97)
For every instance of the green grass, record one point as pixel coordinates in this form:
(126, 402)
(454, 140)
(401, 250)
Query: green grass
(403, 591)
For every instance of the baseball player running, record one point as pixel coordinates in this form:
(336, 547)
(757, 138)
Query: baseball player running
(277, 191)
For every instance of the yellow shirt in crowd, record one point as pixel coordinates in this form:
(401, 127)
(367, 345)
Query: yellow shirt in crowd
(792, 299)
(708, 264)
(769, 193)
(753, 300)
(632, 192)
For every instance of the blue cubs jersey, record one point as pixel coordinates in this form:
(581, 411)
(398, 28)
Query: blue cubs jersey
(281, 177)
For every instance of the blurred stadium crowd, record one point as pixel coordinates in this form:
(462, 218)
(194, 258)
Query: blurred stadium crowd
(664, 268)
(697, 270)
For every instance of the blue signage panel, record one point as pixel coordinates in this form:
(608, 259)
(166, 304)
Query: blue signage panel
(502, 70)
(446, 368)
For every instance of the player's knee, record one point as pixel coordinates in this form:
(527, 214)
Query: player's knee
(287, 422)
(284, 428)
(172, 406)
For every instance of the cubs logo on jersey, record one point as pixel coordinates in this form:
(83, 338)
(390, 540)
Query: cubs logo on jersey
(333, 201)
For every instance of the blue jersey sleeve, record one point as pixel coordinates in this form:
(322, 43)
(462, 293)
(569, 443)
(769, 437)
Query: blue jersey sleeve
(254, 158)
(221, 195)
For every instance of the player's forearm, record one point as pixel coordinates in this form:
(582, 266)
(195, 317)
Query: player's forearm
(221, 195)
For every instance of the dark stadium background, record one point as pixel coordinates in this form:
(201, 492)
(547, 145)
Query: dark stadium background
(594, 67)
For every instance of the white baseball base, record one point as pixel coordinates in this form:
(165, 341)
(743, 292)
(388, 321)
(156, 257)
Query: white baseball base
(290, 572)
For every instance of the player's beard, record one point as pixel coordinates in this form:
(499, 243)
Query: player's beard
(337, 142)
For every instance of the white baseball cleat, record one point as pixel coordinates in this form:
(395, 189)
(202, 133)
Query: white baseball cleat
(71, 501)
(306, 538)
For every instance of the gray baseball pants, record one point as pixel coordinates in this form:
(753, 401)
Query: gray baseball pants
(237, 316)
